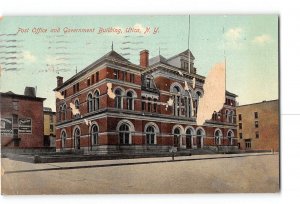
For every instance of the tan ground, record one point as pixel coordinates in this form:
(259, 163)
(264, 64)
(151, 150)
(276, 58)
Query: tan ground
(255, 173)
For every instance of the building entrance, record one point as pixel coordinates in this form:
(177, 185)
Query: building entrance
(188, 142)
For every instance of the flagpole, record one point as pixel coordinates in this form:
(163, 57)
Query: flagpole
(189, 44)
(224, 53)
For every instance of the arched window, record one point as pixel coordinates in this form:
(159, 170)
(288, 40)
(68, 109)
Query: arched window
(94, 134)
(198, 95)
(215, 115)
(63, 139)
(230, 137)
(200, 133)
(188, 132)
(149, 104)
(227, 115)
(219, 115)
(150, 135)
(218, 135)
(77, 104)
(118, 99)
(176, 137)
(176, 90)
(124, 134)
(90, 103)
(177, 100)
(130, 100)
(96, 100)
(77, 138)
(187, 105)
(64, 111)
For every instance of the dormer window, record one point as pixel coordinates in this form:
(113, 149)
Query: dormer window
(148, 82)
(184, 65)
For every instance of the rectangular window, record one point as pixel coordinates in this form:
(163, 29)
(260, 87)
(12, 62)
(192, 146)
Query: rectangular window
(240, 116)
(186, 65)
(132, 78)
(74, 88)
(88, 82)
(51, 118)
(51, 128)
(116, 73)
(124, 75)
(65, 93)
(257, 134)
(77, 86)
(240, 126)
(255, 115)
(248, 144)
(143, 104)
(121, 77)
(93, 79)
(149, 104)
(256, 124)
(97, 76)
(178, 106)
(155, 105)
(148, 83)
(15, 105)
(241, 135)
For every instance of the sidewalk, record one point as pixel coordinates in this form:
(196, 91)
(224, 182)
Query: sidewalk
(9, 166)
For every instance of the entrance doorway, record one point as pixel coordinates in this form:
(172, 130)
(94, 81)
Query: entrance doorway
(188, 135)
(77, 139)
(77, 142)
(188, 142)
(176, 137)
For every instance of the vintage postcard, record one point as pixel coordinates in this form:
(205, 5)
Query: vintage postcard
(139, 104)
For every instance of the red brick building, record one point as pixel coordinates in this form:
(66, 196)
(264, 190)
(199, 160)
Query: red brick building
(139, 117)
(22, 122)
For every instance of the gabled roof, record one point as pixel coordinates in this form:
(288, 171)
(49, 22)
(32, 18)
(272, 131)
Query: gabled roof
(157, 59)
(184, 53)
(115, 55)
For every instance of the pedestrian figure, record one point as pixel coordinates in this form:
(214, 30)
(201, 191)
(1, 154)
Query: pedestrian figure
(172, 150)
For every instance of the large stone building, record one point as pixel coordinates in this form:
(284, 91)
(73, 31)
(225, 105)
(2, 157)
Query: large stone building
(22, 119)
(258, 126)
(124, 106)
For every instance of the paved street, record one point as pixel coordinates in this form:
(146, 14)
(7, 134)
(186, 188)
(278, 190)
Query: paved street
(194, 174)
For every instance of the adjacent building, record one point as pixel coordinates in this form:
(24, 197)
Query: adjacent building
(258, 126)
(49, 127)
(22, 122)
(127, 107)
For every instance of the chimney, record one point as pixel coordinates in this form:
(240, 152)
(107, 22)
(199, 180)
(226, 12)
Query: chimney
(144, 58)
(29, 91)
(60, 81)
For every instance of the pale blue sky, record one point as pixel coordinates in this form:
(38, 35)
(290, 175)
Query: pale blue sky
(250, 43)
